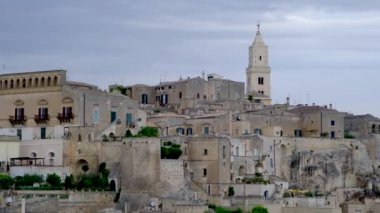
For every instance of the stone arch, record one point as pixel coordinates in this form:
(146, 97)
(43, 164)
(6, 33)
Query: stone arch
(33, 155)
(67, 100)
(11, 84)
(18, 83)
(55, 81)
(373, 128)
(112, 185)
(49, 81)
(23, 85)
(241, 170)
(42, 102)
(51, 157)
(19, 103)
(42, 81)
(6, 84)
(82, 165)
(36, 82)
(30, 82)
(259, 168)
(144, 98)
(189, 131)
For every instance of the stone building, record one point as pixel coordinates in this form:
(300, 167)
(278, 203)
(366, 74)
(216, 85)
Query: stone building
(362, 126)
(184, 93)
(208, 164)
(46, 111)
(320, 121)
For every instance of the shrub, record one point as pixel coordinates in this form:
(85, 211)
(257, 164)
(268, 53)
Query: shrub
(260, 209)
(28, 180)
(174, 153)
(54, 180)
(5, 181)
(148, 132)
(128, 134)
(69, 182)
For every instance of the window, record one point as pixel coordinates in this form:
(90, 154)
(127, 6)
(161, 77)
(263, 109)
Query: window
(332, 134)
(206, 130)
(198, 95)
(33, 155)
(129, 119)
(204, 97)
(237, 151)
(271, 163)
(298, 133)
(19, 114)
(113, 116)
(19, 133)
(260, 80)
(189, 131)
(43, 113)
(205, 152)
(224, 152)
(332, 123)
(257, 131)
(180, 131)
(180, 95)
(144, 98)
(43, 133)
(95, 117)
(204, 172)
(169, 87)
(67, 112)
(260, 57)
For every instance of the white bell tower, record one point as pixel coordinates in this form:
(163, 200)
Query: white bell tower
(258, 70)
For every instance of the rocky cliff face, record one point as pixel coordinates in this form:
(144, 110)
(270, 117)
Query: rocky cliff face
(347, 165)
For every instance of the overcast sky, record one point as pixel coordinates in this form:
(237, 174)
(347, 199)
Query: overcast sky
(320, 51)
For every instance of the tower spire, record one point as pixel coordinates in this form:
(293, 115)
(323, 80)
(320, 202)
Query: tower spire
(258, 25)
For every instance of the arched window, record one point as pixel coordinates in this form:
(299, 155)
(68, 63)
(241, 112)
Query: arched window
(6, 84)
(18, 83)
(180, 130)
(241, 170)
(49, 81)
(12, 83)
(51, 155)
(36, 82)
(55, 82)
(24, 83)
(42, 81)
(30, 82)
(373, 128)
(33, 155)
(189, 131)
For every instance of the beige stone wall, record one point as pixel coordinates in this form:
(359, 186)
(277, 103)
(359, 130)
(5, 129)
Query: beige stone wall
(171, 176)
(50, 149)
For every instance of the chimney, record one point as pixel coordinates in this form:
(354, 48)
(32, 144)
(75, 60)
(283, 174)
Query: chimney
(330, 106)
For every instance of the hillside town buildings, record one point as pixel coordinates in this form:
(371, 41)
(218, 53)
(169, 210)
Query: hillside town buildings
(236, 149)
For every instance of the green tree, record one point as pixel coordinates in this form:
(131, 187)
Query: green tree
(69, 182)
(5, 181)
(54, 180)
(128, 133)
(259, 209)
(148, 132)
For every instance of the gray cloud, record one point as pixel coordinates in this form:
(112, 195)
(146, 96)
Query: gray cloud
(320, 51)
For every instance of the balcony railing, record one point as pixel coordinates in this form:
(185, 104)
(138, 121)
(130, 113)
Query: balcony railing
(17, 120)
(65, 117)
(41, 119)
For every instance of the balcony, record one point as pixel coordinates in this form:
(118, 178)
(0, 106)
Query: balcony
(41, 119)
(17, 120)
(65, 117)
